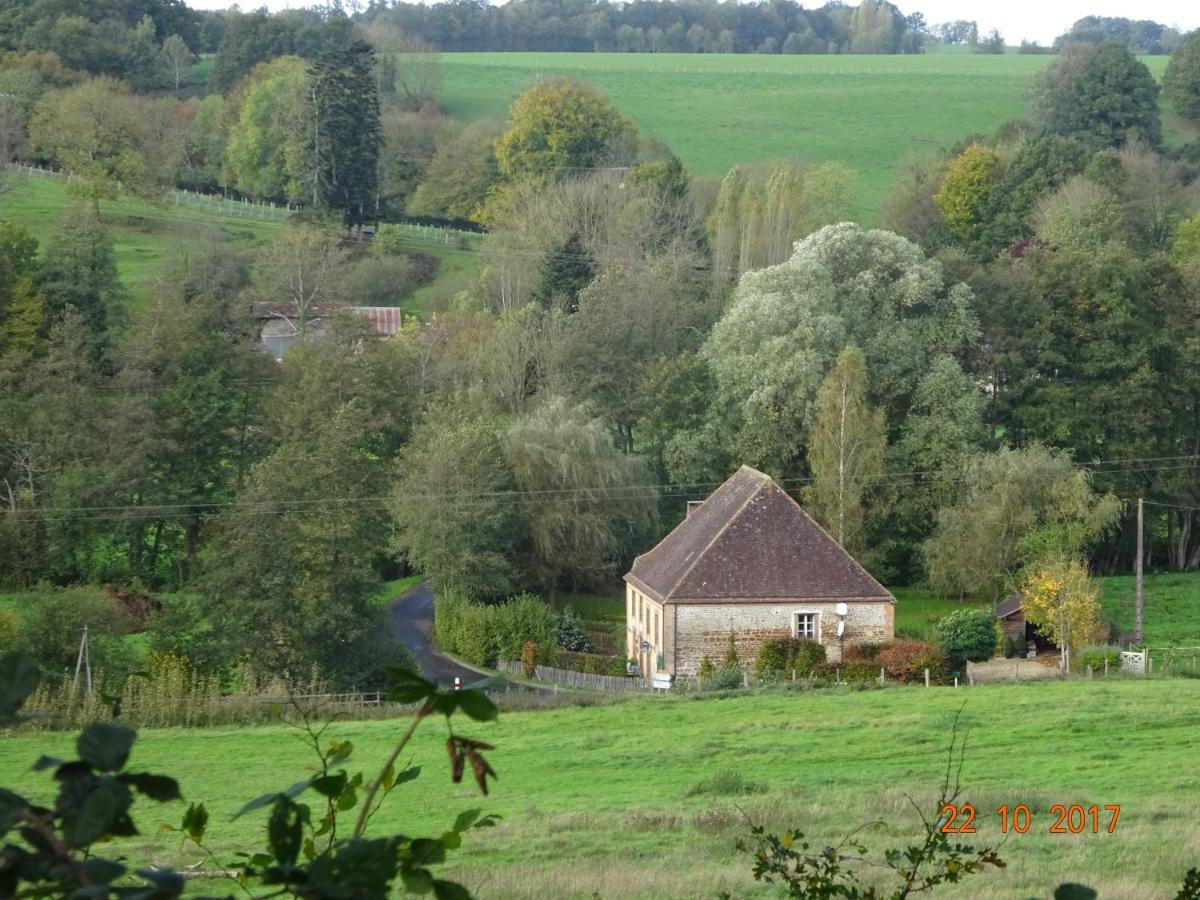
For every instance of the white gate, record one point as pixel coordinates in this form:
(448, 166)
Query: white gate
(1133, 662)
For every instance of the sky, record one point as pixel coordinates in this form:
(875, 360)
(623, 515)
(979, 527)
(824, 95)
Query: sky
(1018, 20)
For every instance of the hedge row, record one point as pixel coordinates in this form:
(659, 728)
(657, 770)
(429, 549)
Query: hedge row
(481, 633)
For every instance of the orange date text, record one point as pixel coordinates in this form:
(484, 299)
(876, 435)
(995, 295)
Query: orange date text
(1066, 818)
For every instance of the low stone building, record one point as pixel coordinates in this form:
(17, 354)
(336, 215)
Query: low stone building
(748, 561)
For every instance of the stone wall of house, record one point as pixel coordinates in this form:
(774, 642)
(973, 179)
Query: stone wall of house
(703, 629)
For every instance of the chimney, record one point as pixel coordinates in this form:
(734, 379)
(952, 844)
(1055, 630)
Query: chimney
(693, 505)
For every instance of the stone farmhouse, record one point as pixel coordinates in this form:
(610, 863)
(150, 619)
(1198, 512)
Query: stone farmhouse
(748, 561)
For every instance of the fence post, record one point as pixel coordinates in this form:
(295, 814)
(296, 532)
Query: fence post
(837, 675)
(926, 678)
(882, 678)
(956, 681)
(1106, 668)
(1089, 671)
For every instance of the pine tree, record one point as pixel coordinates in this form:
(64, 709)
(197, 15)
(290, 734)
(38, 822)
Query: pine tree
(564, 274)
(346, 131)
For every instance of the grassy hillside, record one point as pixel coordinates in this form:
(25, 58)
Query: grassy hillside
(715, 111)
(618, 800)
(148, 238)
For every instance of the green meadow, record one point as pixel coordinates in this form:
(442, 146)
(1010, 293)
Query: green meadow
(645, 798)
(715, 111)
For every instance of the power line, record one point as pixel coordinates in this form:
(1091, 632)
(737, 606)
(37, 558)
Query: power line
(460, 501)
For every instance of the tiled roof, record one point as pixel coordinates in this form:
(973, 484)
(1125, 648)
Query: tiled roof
(751, 541)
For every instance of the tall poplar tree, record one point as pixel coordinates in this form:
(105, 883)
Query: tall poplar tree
(846, 449)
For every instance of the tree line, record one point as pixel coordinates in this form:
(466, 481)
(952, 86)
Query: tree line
(976, 386)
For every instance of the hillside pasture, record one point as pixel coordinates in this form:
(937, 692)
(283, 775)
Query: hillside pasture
(645, 798)
(715, 111)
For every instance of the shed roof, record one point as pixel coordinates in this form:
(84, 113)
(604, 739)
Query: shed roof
(750, 541)
(1013, 604)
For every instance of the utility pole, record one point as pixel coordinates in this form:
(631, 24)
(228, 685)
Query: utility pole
(1139, 597)
(84, 662)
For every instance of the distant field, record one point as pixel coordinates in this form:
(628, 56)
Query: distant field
(718, 110)
(609, 801)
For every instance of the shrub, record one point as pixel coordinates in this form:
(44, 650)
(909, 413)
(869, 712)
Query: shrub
(520, 620)
(571, 634)
(966, 188)
(906, 661)
(183, 627)
(590, 663)
(475, 635)
(726, 783)
(779, 657)
(851, 671)
(55, 623)
(1096, 657)
(861, 652)
(706, 668)
(731, 654)
(10, 631)
(968, 634)
(723, 678)
(529, 659)
(448, 609)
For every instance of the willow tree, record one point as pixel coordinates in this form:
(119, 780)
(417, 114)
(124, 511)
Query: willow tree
(847, 448)
(584, 503)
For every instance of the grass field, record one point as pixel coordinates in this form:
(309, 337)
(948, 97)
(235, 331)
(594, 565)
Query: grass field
(146, 237)
(612, 800)
(717, 110)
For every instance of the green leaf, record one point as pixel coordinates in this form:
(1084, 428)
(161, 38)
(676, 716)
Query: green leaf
(477, 706)
(416, 880)
(156, 787)
(409, 774)
(195, 821)
(427, 851)
(348, 800)
(12, 807)
(48, 762)
(97, 814)
(466, 819)
(285, 831)
(488, 821)
(339, 752)
(163, 883)
(330, 786)
(105, 746)
(1072, 891)
(103, 871)
(19, 677)
(449, 890)
(407, 687)
(267, 799)
(451, 840)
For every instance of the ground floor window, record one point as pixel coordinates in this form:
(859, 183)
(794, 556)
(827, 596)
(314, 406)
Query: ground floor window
(805, 626)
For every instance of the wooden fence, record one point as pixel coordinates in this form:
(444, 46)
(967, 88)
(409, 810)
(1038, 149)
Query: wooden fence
(575, 679)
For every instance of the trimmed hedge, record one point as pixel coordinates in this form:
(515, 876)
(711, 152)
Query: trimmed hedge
(968, 634)
(481, 633)
(590, 663)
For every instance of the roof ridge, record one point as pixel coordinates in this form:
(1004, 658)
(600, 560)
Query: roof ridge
(729, 521)
(835, 542)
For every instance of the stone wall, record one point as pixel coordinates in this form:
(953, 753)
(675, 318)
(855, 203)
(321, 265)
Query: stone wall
(703, 629)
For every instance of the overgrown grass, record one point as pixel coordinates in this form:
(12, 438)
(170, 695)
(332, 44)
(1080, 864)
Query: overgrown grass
(714, 111)
(393, 589)
(594, 800)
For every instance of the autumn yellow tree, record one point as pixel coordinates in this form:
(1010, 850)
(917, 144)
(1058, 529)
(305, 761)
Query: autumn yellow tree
(1064, 604)
(965, 190)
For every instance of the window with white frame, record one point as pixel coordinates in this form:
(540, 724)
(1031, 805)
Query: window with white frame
(804, 625)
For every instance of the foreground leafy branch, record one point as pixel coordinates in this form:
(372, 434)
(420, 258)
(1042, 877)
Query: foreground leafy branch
(50, 851)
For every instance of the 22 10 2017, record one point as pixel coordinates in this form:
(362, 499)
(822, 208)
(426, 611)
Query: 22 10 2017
(1068, 819)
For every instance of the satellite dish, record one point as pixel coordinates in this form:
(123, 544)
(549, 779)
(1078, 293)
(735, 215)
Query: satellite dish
(842, 609)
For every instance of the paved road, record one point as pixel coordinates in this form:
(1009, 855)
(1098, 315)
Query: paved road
(412, 614)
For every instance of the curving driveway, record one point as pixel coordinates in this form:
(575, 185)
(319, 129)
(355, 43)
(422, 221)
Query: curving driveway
(412, 617)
